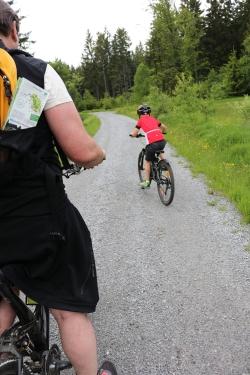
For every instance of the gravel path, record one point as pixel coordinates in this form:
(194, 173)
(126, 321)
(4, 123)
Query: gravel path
(174, 281)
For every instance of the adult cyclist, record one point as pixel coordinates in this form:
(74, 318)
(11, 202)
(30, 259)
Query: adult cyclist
(46, 248)
(153, 130)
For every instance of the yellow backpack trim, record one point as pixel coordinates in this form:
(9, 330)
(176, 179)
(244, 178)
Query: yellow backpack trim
(8, 80)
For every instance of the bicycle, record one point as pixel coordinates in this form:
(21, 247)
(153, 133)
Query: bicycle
(161, 172)
(25, 348)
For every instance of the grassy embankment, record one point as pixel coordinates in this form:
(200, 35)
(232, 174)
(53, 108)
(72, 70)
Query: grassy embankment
(217, 145)
(91, 122)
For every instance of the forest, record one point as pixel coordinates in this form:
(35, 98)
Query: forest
(209, 48)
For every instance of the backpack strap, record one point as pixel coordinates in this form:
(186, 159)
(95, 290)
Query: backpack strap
(8, 80)
(7, 86)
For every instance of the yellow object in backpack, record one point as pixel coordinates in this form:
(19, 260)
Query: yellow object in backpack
(8, 80)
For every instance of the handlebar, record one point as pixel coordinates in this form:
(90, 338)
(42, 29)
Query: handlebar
(137, 136)
(73, 170)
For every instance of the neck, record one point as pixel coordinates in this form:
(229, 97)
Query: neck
(8, 42)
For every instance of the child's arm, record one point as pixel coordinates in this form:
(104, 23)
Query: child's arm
(163, 128)
(134, 132)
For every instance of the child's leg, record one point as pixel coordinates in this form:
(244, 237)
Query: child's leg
(147, 170)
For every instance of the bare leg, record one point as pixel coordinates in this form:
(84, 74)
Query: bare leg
(78, 340)
(162, 155)
(7, 315)
(147, 170)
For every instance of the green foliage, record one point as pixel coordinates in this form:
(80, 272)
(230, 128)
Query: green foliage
(229, 75)
(107, 102)
(213, 87)
(186, 94)
(219, 147)
(244, 108)
(62, 69)
(159, 101)
(163, 46)
(91, 122)
(190, 31)
(89, 102)
(142, 82)
(107, 64)
(71, 78)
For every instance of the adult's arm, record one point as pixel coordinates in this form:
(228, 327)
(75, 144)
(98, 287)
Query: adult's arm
(66, 125)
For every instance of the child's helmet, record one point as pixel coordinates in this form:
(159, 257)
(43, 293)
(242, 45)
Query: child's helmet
(143, 109)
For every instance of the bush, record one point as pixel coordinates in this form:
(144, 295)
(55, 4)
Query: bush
(243, 108)
(89, 102)
(107, 102)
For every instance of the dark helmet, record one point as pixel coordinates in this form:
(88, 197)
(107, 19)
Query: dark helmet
(143, 109)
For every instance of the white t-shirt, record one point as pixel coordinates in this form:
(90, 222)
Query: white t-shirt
(58, 93)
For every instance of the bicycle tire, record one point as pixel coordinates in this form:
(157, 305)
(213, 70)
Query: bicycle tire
(9, 367)
(42, 316)
(141, 165)
(165, 184)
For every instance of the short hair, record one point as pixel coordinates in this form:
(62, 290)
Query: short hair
(7, 16)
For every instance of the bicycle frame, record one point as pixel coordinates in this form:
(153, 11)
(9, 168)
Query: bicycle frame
(154, 173)
(26, 336)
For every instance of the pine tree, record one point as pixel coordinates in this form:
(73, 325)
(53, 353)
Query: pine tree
(88, 69)
(121, 64)
(102, 57)
(163, 54)
(219, 39)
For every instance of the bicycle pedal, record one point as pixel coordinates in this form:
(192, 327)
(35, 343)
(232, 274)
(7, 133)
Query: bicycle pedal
(62, 365)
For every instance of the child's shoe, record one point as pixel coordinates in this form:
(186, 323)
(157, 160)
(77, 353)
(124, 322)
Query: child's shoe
(145, 184)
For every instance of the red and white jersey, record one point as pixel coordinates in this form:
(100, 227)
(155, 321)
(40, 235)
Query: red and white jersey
(151, 128)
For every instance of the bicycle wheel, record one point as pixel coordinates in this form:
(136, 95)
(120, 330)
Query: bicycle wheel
(165, 183)
(9, 367)
(42, 317)
(141, 168)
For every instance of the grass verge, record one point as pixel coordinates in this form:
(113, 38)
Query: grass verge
(91, 122)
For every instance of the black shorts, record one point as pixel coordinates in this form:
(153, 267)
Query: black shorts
(57, 274)
(152, 148)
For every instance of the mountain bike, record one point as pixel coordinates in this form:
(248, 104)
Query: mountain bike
(161, 172)
(25, 348)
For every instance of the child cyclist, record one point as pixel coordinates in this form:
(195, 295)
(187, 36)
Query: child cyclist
(153, 130)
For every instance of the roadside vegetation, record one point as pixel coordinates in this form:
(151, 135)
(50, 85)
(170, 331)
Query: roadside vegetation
(91, 122)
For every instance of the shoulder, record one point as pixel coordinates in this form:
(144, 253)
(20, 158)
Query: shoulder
(53, 83)
(26, 58)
